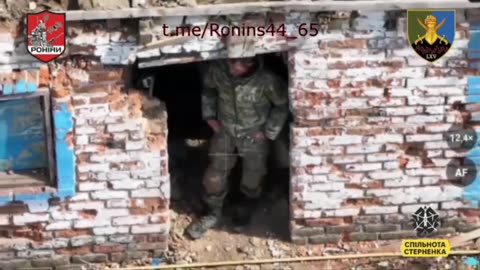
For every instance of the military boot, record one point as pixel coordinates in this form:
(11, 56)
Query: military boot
(243, 213)
(212, 219)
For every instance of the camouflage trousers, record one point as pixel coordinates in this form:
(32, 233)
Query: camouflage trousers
(222, 160)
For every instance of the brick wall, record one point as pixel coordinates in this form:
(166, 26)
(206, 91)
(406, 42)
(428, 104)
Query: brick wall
(367, 142)
(111, 198)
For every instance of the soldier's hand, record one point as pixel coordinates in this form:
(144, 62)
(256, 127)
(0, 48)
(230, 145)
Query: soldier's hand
(215, 125)
(259, 136)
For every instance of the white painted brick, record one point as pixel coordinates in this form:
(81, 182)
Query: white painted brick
(299, 159)
(135, 145)
(385, 138)
(106, 158)
(391, 165)
(452, 193)
(81, 139)
(80, 196)
(403, 182)
(364, 167)
(439, 91)
(437, 127)
(58, 214)
(416, 100)
(90, 186)
(127, 184)
(78, 241)
(426, 172)
(325, 150)
(384, 102)
(118, 203)
(454, 205)
(381, 175)
(380, 210)
(425, 119)
(430, 180)
(424, 194)
(130, 220)
(154, 228)
(436, 109)
(159, 218)
(326, 187)
(111, 230)
(436, 145)
(363, 148)
(345, 212)
(85, 130)
(29, 218)
(90, 223)
(329, 204)
(35, 253)
(155, 183)
(127, 239)
(344, 159)
(375, 157)
(436, 81)
(410, 209)
(112, 212)
(59, 225)
(93, 168)
(4, 219)
(107, 195)
(86, 205)
(402, 111)
(380, 192)
(440, 162)
(129, 126)
(424, 137)
(52, 244)
(147, 193)
(112, 175)
(339, 140)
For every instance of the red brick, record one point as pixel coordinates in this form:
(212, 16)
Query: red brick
(157, 238)
(98, 100)
(93, 87)
(362, 201)
(14, 208)
(140, 238)
(469, 212)
(345, 44)
(387, 63)
(106, 75)
(325, 221)
(109, 248)
(75, 250)
(71, 233)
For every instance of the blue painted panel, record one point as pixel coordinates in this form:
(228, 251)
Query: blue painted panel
(65, 156)
(22, 140)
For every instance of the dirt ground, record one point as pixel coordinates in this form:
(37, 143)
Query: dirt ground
(266, 237)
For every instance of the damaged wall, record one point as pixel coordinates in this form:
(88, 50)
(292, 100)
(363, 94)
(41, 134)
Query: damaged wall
(111, 197)
(368, 144)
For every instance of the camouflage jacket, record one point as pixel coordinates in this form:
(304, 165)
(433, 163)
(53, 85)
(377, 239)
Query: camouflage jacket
(245, 105)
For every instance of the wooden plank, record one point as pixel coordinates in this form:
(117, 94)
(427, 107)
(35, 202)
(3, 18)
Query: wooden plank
(49, 139)
(456, 241)
(23, 96)
(274, 6)
(23, 179)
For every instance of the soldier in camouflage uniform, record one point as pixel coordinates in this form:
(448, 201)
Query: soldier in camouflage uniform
(246, 106)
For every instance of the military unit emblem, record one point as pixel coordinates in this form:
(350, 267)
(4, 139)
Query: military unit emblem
(431, 33)
(46, 35)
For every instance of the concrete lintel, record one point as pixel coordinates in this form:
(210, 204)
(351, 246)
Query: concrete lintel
(277, 6)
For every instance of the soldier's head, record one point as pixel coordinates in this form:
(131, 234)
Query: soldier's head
(240, 67)
(431, 22)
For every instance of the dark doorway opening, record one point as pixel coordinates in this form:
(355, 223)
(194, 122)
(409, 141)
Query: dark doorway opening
(180, 87)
